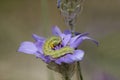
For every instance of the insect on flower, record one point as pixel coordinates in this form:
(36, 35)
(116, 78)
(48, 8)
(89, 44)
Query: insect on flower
(60, 48)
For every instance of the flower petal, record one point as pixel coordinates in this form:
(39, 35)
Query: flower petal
(78, 55)
(70, 58)
(39, 42)
(73, 40)
(56, 31)
(43, 57)
(66, 39)
(67, 32)
(38, 38)
(27, 47)
(76, 43)
(39, 46)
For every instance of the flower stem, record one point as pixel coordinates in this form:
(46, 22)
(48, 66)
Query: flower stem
(78, 63)
(72, 28)
(79, 71)
(67, 71)
(66, 78)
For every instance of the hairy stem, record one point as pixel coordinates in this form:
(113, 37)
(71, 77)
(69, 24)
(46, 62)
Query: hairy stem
(67, 71)
(66, 78)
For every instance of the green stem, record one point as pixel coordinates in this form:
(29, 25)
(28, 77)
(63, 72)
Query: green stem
(71, 25)
(79, 71)
(78, 63)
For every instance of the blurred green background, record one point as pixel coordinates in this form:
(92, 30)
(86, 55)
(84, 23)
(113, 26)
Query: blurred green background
(19, 19)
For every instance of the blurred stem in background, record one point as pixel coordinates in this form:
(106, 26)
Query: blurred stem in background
(79, 74)
(45, 19)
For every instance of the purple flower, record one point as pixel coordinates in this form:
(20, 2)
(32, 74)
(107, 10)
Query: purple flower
(58, 52)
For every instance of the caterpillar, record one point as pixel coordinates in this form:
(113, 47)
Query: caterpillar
(50, 45)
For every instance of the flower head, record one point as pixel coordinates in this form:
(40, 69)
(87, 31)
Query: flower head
(61, 48)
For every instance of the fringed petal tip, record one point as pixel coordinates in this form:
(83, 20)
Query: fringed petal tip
(27, 47)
